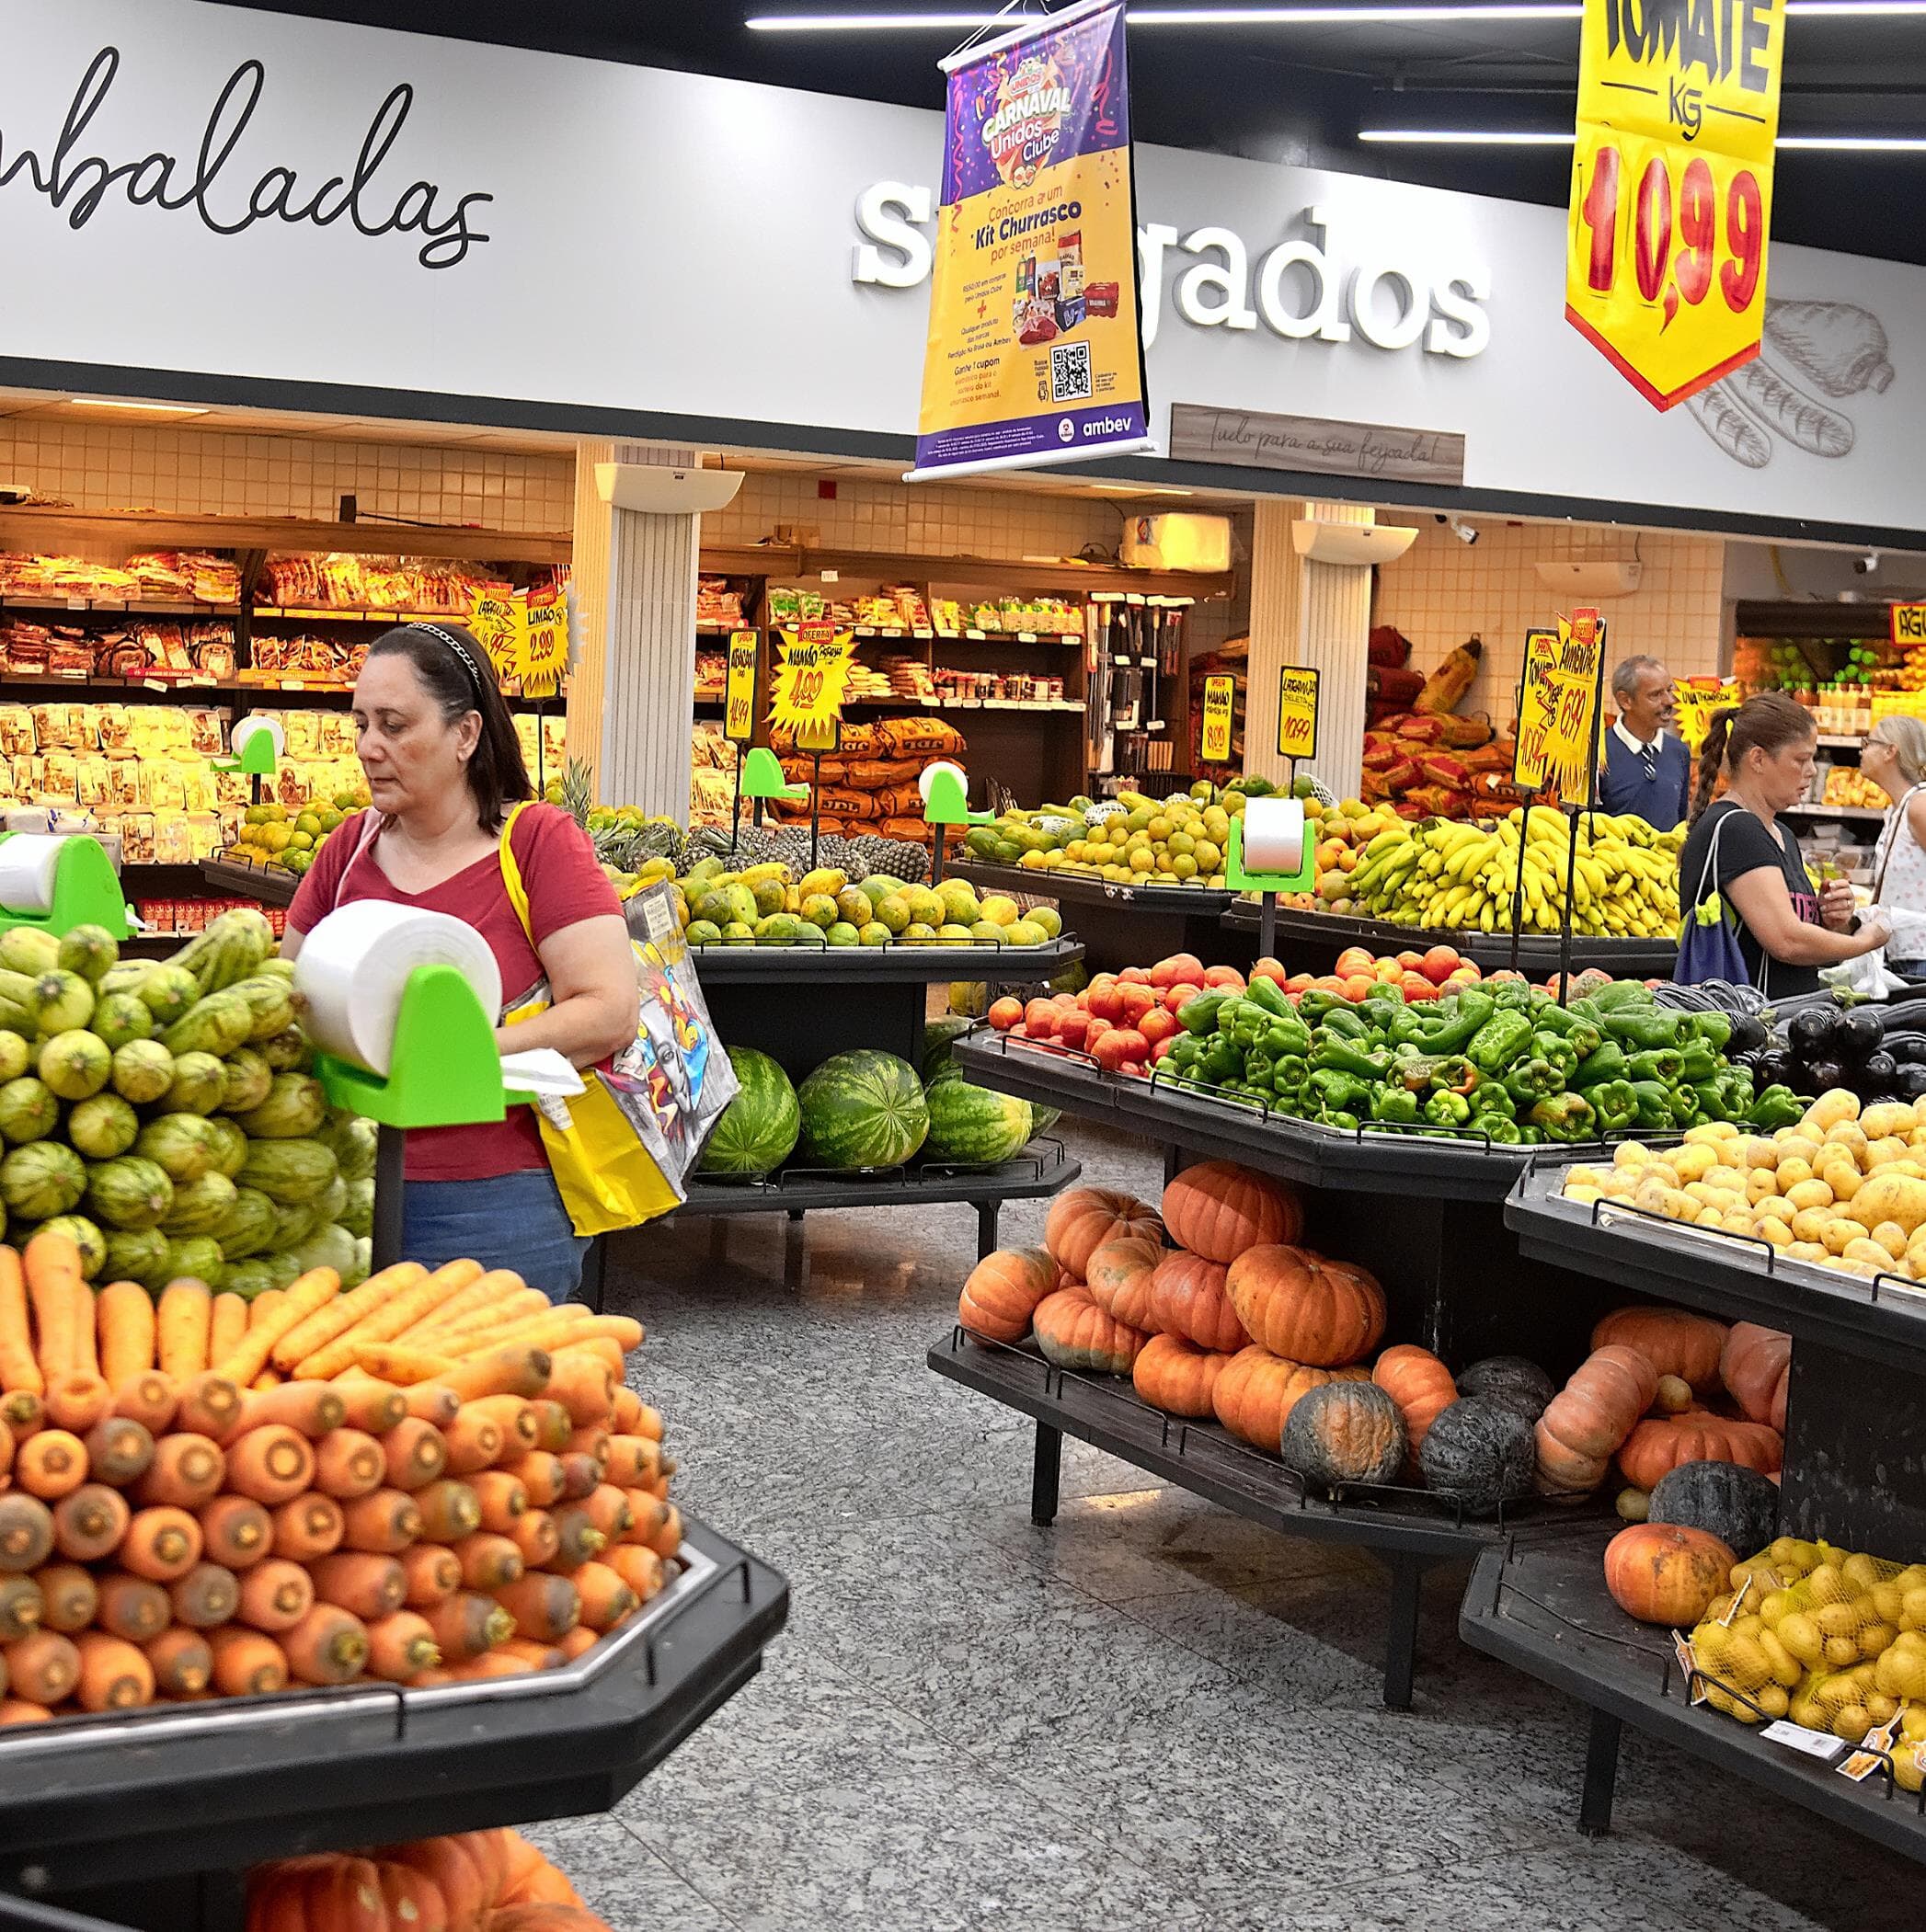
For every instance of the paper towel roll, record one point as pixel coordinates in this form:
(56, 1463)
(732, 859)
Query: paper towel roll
(354, 966)
(249, 727)
(27, 864)
(1273, 835)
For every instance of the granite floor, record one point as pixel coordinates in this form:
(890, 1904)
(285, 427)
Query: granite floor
(1152, 1712)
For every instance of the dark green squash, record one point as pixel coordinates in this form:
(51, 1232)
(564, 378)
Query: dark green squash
(1479, 1453)
(1739, 1506)
(1511, 1381)
(1345, 1431)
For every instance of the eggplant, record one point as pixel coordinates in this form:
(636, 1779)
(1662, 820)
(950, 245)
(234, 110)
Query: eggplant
(1909, 1081)
(1907, 1048)
(1776, 1068)
(1811, 1031)
(1876, 1076)
(1821, 1076)
(1748, 1035)
(1858, 1032)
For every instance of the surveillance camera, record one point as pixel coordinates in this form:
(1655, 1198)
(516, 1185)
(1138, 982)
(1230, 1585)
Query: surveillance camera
(1464, 531)
(1866, 565)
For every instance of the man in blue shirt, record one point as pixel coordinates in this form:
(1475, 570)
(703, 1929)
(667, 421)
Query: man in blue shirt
(1647, 771)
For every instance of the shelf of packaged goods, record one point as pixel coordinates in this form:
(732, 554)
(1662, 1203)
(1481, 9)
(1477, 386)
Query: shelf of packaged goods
(1432, 1164)
(351, 614)
(1121, 925)
(1407, 1528)
(1028, 574)
(254, 882)
(46, 529)
(1841, 740)
(1043, 1169)
(1305, 939)
(917, 962)
(1541, 1607)
(1726, 1275)
(47, 602)
(136, 1799)
(1009, 636)
(1857, 814)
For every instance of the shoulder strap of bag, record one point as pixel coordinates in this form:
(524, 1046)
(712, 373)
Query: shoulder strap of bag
(1894, 826)
(369, 832)
(511, 871)
(1708, 871)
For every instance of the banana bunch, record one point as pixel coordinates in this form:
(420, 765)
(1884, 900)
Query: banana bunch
(1455, 876)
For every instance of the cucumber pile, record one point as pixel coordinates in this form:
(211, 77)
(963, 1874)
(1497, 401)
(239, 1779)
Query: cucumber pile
(163, 1114)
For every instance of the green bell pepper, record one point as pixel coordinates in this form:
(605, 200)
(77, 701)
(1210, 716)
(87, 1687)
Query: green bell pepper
(1552, 1018)
(1641, 1029)
(1185, 1051)
(1606, 1061)
(1438, 1072)
(1489, 1097)
(1659, 1063)
(1533, 1079)
(1243, 1023)
(1315, 1004)
(1565, 1117)
(1258, 1071)
(1622, 995)
(1331, 1089)
(1714, 1028)
(1615, 1103)
(1333, 1052)
(1500, 1130)
(1394, 1106)
(1445, 1109)
(1510, 996)
(1775, 1108)
(1499, 1042)
(1220, 1061)
(1453, 1025)
(1337, 1117)
(1556, 1048)
(1286, 1036)
(1701, 1062)
(1265, 992)
(1347, 1021)
(1199, 1015)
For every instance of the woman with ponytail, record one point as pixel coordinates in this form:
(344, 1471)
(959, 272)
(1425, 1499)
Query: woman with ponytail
(1737, 848)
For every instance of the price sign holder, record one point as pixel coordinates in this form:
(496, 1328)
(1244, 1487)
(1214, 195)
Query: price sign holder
(1267, 884)
(738, 716)
(945, 802)
(1528, 756)
(1297, 716)
(1219, 699)
(760, 776)
(826, 736)
(85, 891)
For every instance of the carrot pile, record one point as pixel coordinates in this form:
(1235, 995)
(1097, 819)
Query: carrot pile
(431, 1478)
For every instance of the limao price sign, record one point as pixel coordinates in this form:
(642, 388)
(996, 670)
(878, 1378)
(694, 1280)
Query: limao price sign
(739, 706)
(1672, 186)
(1558, 706)
(812, 675)
(1220, 696)
(1297, 712)
(542, 645)
(1908, 624)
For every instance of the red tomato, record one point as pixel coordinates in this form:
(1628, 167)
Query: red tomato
(1415, 987)
(1298, 982)
(1179, 997)
(1503, 972)
(1271, 970)
(1135, 975)
(1039, 1019)
(1409, 962)
(1439, 964)
(1466, 975)
(1178, 969)
(1358, 986)
(1328, 983)
(1073, 1029)
(1005, 1013)
(1354, 959)
(1106, 1001)
(1160, 1047)
(1119, 1047)
(1388, 972)
(1222, 976)
(1137, 1002)
(1158, 1024)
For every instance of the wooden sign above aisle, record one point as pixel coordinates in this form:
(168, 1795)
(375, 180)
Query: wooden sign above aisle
(1200, 434)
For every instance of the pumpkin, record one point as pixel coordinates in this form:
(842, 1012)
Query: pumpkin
(1586, 1420)
(1177, 1375)
(1737, 1505)
(1219, 1210)
(1755, 1367)
(1187, 1298)
(1419, 1384)
(1306, 1307)
(1512, 1382)
(1345, 1431)
(543, 1917)
(1664, 1572)
(1478, 1453)
(1118, 1278)
(1081, 1221)
(331, 1891)
(1075, 1333)
(468, 1869)
(1002, 1291)
(1257, 1390)
(1661, 1443)
(1675, 1340)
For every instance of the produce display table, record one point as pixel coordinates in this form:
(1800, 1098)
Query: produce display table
(1311, 942)
(151, 1819)
(1406, 1529)
(1855, 1439)
(1121, 925)
(1041, 1170)
(253, 881)
(1541, 1607)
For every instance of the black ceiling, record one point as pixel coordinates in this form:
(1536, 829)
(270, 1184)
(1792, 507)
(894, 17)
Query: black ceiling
(1298, 93)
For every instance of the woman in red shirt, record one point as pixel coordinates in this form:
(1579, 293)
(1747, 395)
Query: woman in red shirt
(444, 768)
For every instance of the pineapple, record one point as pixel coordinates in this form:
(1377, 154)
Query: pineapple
(577, 791)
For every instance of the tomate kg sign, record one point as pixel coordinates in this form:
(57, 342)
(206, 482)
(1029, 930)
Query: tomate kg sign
(1672, 186)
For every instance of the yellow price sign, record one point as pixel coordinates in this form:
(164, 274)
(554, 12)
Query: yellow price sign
(812, 675)
(542, 645)
(1219, 699)
(1697, 699)
(1908, 624)
(1297, 712)
(497, 617)
(1558, 709)
(1672, 188)
(739, 712)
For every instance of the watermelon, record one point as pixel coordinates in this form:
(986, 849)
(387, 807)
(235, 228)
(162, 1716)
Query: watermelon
(973, 1125)
(862, 1109)
(938, 1037)
(1042, 1119)
(757, 1130)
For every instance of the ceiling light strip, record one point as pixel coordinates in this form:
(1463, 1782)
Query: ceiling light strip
(1507, 137)
(1336, 15)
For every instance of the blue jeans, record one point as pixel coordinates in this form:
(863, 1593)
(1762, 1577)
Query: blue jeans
(512, 1221)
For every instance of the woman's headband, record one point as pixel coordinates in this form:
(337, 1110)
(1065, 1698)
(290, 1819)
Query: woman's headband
(459, 648)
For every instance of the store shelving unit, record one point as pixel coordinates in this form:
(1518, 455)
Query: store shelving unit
(1120, 925)
(151, 1819)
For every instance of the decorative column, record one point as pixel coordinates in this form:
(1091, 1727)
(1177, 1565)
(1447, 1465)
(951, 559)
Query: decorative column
(1305, 614)
(631, 702)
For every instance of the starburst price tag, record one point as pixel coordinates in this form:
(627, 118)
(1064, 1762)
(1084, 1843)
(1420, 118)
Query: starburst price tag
(1558, 716)
(1672, 187)
(812, 675)
(497, 617)
(1297, 712)
(1697, 699)
(542, 645)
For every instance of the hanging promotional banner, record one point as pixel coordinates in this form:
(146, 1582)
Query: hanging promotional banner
(1558, 706)
(1697, 699)
(1673, 202)
(1220, 696)
(542, 646)
(1297, 712)
(1035, 351)
(738, 702)
(812, 675)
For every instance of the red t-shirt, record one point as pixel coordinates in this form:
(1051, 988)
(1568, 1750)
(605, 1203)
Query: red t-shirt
(564, 884)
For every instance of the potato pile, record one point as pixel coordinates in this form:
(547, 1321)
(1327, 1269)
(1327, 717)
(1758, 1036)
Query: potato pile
(1843, 1186)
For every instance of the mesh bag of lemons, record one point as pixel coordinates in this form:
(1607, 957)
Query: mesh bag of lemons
(1835, 1640)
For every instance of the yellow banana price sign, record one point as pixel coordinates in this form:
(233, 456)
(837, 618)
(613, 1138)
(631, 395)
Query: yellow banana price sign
(1672, 186)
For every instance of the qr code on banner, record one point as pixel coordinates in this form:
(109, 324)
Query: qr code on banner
(1069, 372)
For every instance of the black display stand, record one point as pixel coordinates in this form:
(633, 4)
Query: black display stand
(265, 882)
(1121, 925)
(150, 1819)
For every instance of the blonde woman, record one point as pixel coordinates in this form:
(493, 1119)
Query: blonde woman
(1895, 760)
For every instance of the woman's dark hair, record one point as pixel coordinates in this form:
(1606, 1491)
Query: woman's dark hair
(1767, 722)
(456, 672)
